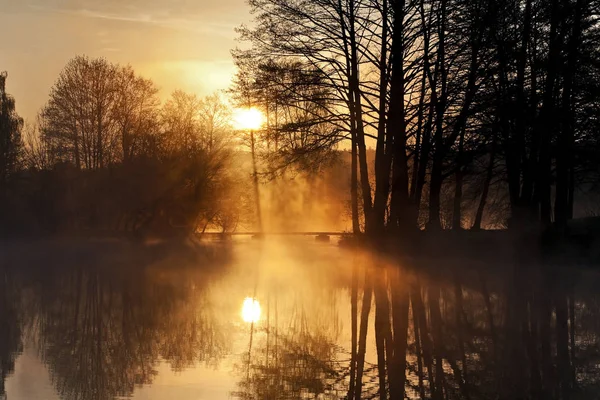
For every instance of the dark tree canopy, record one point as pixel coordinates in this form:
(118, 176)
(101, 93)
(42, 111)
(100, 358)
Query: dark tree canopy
(479, 112)
(10, 132)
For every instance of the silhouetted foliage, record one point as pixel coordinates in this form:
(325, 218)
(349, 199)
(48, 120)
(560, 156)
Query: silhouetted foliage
(10, 133)
(454, 93)
(105, 156)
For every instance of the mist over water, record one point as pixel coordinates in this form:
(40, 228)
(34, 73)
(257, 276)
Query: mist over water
(273, 319)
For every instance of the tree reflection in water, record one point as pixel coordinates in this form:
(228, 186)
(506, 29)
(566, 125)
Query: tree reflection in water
(104, 330)
(297, 348)
(476, 334)
(291, 359)
(10, 326)
(352, 327)
(502, 332)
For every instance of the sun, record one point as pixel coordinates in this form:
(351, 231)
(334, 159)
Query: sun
(248, 118)
(250, 310)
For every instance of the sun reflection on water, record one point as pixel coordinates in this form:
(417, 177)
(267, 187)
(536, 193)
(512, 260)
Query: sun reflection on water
(250, 310)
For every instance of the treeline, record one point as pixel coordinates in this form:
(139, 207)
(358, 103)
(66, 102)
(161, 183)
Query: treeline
(106, 155)
(482, 112)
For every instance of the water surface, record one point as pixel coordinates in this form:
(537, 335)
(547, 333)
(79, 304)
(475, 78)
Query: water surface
(278, 320)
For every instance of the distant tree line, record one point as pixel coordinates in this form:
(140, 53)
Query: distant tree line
(481, 113)
(106, 155)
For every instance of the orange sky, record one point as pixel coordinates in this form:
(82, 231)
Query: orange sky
(180, 44)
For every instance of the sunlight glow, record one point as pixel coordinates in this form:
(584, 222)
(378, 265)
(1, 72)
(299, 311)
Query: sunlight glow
(250, 310)
(248, 118)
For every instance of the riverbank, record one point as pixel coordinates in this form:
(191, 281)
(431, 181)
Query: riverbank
(577, 244)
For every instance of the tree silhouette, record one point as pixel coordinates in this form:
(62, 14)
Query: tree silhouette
(10, 326)
(423, 80)
(10, 133)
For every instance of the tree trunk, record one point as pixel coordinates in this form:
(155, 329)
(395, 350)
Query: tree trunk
(435, 185)
(349, 53)
(460, 336)
(362, 338)
(486, 186)
(420, 123)
(354, 186)
(428, 127)
(461, 122)
(397, 368)
(424, 335)
(383, 333)
(532, 351)
(564, 156)
(354, 328)
(518, 145)
(562, 345)
(255, 181)
(383, 155)
(402, 215)
(76, 149)
(358, 118)
(436, 327)
(418, 345)
(572, 339)
(547, 117)
(546, 350)
(457, 215)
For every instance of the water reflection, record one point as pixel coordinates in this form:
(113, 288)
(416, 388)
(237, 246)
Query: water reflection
(333, 324)
(295, 351)
(101, 335)
(251, 310)
(10, 326)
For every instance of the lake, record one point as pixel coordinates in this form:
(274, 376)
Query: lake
(290, 319)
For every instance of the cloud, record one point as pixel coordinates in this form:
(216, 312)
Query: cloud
(185, 24)
(192, 75)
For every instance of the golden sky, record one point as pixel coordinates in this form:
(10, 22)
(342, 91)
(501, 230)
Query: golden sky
(180, 44)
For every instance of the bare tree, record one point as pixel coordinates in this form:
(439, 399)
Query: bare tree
(79, 114)
(134, 111)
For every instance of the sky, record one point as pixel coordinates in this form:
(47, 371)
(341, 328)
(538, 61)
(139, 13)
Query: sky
(179, 44)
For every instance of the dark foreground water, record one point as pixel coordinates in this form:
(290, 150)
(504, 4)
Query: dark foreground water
(278, 320)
